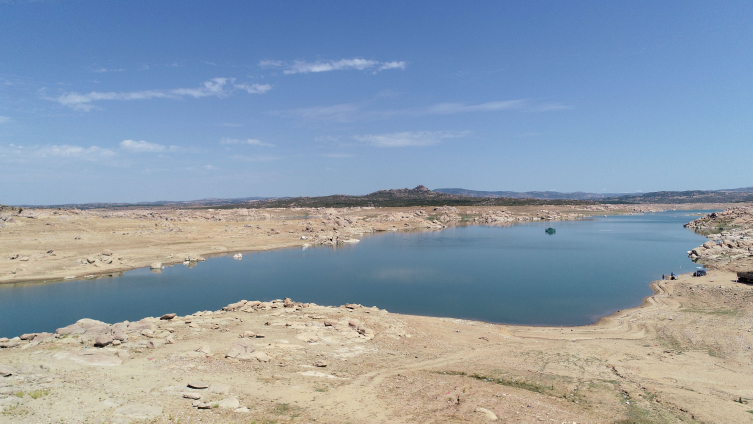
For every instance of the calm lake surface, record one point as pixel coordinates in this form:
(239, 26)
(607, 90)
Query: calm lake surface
(516, 275)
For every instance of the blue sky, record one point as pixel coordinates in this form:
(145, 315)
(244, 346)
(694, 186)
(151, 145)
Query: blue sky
(141, 101)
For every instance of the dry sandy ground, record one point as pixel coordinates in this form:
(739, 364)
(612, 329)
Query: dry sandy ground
(684, 356)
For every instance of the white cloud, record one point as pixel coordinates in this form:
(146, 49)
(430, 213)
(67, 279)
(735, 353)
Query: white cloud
(409, 138)
(254, 88)
(23, 153)
(4, 119)
(144, 146)
(392, 65)
(251, 141)
(217, 87)
(303, 67)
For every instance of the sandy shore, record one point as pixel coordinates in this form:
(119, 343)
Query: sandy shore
(683, 356)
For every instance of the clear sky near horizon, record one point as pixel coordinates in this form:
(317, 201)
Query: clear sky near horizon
(105, 101)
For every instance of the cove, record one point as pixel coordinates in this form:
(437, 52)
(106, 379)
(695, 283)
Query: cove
(515, 275)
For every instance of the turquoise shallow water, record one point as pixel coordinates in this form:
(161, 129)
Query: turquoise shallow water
(516, 274)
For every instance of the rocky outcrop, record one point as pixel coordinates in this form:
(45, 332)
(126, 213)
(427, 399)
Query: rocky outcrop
(731, 239)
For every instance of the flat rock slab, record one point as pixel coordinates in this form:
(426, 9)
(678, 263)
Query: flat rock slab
(231, 403)
(6, 371)
(491, 416)
(194, 396)
(139, 411)
(97, 360)
(198, 385)
(318, 374)
(220, 389)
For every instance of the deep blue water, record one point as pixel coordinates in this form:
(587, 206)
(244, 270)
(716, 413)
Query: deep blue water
(517, 274)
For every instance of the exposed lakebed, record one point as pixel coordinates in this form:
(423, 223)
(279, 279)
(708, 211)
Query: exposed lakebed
(517, 274)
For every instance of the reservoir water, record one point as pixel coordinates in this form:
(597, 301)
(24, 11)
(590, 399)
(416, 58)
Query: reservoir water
(517, 274)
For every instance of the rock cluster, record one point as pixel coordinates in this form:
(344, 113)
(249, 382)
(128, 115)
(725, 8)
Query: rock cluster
(731, 239)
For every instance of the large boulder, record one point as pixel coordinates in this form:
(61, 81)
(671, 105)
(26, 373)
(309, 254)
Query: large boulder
(70, 330)
(103, 340)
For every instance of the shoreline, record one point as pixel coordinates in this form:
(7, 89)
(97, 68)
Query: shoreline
(197, 250)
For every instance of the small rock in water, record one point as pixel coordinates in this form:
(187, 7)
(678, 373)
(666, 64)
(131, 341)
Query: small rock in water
(238, 256)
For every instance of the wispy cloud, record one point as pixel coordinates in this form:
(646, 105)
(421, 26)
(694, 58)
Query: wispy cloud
(258, 158)
(251, 141)
(216, 87)
(337, 155)
(303, 67)
(4, 119)
(144, 146)
(254, 88)
(409, 138)
(102, 70)
(23, 153)
(271, 64)
(549, 107)
(349, 112)
(453, 108)
(345, 112)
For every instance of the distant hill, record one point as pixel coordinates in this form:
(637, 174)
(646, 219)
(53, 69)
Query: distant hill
(578, 195)
(422, 196)
(418, 196)
(736, 195)
(159, 203)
